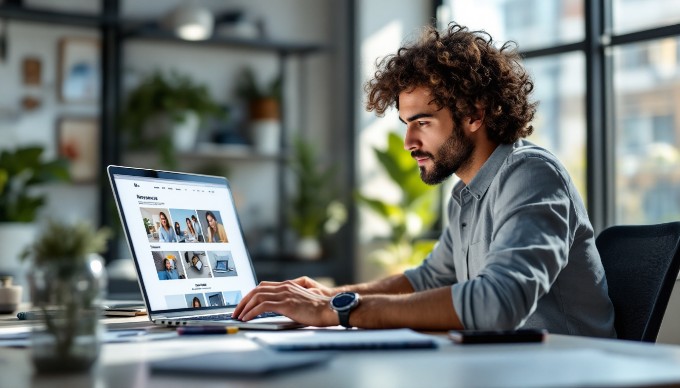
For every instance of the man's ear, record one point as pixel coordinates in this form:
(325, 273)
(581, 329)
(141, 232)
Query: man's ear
(477, 120)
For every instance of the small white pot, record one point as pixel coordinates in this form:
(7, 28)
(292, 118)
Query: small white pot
(308, 248)
(185, 132)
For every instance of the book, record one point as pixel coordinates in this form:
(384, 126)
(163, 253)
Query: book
(124, 309)
(344, 339)
(125, 312)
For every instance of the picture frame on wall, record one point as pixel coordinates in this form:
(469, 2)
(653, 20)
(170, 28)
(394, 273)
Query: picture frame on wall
(78, 142)
(79, 70)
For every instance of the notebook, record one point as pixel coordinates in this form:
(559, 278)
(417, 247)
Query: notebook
(177, 278)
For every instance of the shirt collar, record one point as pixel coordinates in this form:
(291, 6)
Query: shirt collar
(482, 180)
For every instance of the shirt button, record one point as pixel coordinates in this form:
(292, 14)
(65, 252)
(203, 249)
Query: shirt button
(464, 224)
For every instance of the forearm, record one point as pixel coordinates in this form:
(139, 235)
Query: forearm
(425, 310)
(396, 284)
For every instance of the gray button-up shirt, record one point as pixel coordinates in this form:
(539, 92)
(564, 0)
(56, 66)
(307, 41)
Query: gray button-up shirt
(519, 250)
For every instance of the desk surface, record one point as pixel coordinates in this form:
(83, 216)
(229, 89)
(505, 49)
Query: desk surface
(561, 360)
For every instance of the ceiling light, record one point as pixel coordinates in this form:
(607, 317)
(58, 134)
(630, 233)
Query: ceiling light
(190, 21)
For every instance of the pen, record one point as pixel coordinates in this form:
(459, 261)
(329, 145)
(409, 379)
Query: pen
(192, 330)
(31, 315)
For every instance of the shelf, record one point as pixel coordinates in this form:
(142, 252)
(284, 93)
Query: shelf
(231, 152)
(209, 151)
(150, 31)
(53, 17)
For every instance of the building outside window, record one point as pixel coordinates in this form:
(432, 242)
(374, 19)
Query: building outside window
(639, 78)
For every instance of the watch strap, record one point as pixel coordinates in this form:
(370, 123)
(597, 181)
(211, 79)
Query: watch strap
(343, 316)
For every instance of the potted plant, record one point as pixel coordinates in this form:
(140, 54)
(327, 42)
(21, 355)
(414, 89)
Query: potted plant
(410, 217)
(264, 109)
(67, 284)
(22, 171)
(166, 111)
(315, 211)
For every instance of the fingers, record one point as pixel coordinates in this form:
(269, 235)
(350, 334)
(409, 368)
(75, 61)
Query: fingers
(244, 301)
(283, 298)
(264, 291)
(313, 285)
(263, 302)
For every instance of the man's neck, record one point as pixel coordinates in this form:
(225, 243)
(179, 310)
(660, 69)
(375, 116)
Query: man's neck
(481, 154)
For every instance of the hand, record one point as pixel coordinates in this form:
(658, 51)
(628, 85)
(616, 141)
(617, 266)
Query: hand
(314, 286)
(303, 305)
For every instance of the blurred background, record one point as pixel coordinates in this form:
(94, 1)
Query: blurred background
(267, 93)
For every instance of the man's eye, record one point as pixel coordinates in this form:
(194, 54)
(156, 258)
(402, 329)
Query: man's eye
(422, 123)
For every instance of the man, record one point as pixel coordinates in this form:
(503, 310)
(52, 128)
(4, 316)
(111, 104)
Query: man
(169, 273)
(519, 249)
(197, 227)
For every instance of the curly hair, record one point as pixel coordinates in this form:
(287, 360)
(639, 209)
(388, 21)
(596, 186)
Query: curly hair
(462, 69)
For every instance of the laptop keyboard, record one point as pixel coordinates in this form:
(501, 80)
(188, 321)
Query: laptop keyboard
(226, 317)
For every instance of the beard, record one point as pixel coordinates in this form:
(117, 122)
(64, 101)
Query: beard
(454, 154)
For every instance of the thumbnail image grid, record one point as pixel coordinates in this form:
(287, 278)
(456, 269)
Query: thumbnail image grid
(202, 300)
(166, 225)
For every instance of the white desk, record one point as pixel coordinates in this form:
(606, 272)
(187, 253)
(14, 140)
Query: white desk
(562, 360)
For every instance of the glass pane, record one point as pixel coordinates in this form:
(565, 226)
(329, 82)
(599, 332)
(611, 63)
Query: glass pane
(647, 97)
(633, 15)
(530, 23)
(560, 124)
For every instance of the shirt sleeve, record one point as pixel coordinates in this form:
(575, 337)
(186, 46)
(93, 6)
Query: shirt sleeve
(532, 211)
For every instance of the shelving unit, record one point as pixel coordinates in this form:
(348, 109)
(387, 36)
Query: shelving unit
(114, 33)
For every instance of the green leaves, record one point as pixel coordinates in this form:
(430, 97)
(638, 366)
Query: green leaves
(311, 208)
(171, 94)
(411, 216)
(61, 241)
(21, 170)
(248, 89)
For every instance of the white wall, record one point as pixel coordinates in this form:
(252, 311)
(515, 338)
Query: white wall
(19, 127)
(309, 96)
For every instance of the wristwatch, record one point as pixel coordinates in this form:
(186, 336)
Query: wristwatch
(343, 303)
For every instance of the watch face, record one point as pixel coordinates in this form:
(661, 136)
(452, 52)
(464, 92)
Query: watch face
(341, 301)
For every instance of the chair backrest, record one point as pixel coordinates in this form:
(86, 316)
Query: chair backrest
(641, 263)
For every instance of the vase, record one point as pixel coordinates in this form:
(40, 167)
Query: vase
(185, 132)
(67, 294)
(266, 136)
(308, 248)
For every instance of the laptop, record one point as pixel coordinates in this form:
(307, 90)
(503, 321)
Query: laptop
(185, 291)
(221, 266)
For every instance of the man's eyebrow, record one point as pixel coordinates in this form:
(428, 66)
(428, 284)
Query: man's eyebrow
(416, 117)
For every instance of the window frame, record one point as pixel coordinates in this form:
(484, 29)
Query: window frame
(597, 47)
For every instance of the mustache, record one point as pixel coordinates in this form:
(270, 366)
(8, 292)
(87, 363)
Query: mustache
(421, 154)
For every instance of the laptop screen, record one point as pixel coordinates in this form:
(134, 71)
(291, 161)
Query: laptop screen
(221, 265)
(179, 228)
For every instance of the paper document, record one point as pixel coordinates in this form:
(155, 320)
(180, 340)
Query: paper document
(343, 339)
(250, 362)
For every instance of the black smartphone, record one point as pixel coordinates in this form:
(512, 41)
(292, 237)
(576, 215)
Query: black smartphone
(497, 336)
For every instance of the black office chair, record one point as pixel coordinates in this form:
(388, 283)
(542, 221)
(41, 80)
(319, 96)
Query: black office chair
(641, 263)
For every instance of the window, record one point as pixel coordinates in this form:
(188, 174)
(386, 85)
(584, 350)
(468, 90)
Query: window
(531, 23)
(647, 166)
(635, 15)
(632, 132)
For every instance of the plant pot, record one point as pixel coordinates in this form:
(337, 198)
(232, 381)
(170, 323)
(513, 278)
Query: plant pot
(185, 132)
(264, 109)
(266, 136)
(67, 294)
(308, 248)
(14, 238)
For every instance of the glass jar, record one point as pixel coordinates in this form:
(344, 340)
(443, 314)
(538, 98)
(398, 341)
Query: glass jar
(66, 294)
